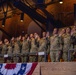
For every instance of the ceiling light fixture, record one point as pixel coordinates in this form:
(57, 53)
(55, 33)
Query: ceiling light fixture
(22, 17)
(3, 22)
(61, 1)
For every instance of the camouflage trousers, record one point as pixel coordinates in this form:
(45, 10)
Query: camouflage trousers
(7, 59)
(17, 59)
(33, 58)
(65, 56)
(25, 58)
(41, 58)
(54, 55)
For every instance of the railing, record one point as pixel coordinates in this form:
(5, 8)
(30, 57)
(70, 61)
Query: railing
(69, 53)
(44, 53)
(24, 54)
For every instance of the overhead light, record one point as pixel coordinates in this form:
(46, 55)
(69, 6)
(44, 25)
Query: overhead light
(3, 22)
(3, 25)
(22, 17)
(21, 20)
(61, 1)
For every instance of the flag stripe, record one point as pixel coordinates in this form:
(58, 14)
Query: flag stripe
(32, 68)
(17, 69)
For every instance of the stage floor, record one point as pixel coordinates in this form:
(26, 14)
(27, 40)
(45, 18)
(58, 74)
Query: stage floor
(55, 68)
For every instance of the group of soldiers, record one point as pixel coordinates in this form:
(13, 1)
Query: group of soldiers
(27, 48)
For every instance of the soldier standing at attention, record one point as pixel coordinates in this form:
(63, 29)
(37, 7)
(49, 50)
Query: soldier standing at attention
(48, 44)
(73, 35)
(9, 52)
(66, 44)
(19, 43)
(33, 50)
(61, 34)
(25, 48)
(42, 47)
(12, 43)
(5, 49)
(16, 51)
(36, 39)
(55, 46)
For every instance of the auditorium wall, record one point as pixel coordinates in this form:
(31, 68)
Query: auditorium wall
(15, 27)
(63, 12)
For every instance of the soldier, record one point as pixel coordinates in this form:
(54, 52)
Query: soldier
(16, 51)
(5, 49)
(12, 43)
(42, 47)
(25, 48)
(36, 36)
(9, 52)
(66, 44)
(61, 34)
(19, 43)
(73, 35)
(48, 43)
(55, 46)
(33, 57)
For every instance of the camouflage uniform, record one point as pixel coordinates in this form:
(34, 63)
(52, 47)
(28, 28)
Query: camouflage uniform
(20, 45)
(9, 52)
(42, 48)
(33, 58)
(25, 50)
(55, 47)
(5, 49)
(74, 40)
(66, 46)
(48, 44)
(15, 52)
(73, 53)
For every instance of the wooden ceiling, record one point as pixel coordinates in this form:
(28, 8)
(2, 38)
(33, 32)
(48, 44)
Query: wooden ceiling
(11, 10)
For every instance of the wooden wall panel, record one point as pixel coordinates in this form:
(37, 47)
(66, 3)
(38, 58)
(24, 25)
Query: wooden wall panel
(64, 12)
